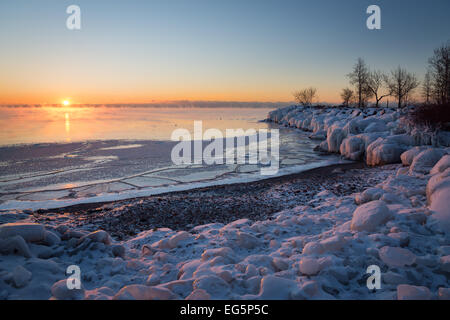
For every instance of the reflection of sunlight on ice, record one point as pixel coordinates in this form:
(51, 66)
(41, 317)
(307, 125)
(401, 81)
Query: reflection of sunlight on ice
(67, 125)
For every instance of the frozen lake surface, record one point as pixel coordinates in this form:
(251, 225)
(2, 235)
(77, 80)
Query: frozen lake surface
(124, 165)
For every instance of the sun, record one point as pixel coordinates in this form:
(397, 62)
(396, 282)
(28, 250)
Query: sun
(66, 102)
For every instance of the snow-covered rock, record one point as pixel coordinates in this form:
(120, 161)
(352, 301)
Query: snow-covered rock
(335, 136)
(30, 232)
(141, 292)
(60, 291)
(118, 250)
(444, 293)
(313, 248)
(214, 285)
(198, 294)
(369, 216)
(21, 277)
(51, 238)
(438, 193)
(376, 126)
(441, 165)
(246, 240)
(445, 263)
(179, 237)
(97, 236)
(425, 160)
(408, 292)
(309, 266)
(368, 195)
(353, 148)
(397, 257)
(387, 150)
(276, 288)
(408, 156)
(15, 245)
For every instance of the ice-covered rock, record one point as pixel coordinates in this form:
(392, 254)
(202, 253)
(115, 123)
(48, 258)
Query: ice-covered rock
(212, 284)
(408, 292)
(441, 165)
(353, 148)
(397, 257)
(425, 160)
(393, 278)
(51, 238)
(332, 244)
(118, 250)
(387, 150)
(15, 245)
(276, 288)
(369, 216)
(376, 126)
(225, 252)
(97, 236)
(438, 193)
(309, 266)
(368, 195)
(30, 232)
(60, 291)
(335, 136)
(444, 293)
(246, 240)
(445, 263)
(141, 292)
(179, 237)
(21, 276)
(408, 156)
(313, 248)
(318, 135)
(198, 294)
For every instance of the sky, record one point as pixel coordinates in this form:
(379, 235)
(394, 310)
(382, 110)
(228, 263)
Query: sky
(228, 50)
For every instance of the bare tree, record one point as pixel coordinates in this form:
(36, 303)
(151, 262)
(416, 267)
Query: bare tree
(427, 87)
(347, 96)
(375, 84)
(359, 77)
(401, 83)
(305, 96)
(440, 70)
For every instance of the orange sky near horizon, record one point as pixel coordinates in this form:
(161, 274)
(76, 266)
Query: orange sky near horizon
(142, 98)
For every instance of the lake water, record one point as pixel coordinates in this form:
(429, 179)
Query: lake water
(54, 156)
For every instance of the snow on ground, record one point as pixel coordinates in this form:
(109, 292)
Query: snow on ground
(317, 251)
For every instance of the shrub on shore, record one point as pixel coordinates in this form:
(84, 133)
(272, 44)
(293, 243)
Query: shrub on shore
(434, 116)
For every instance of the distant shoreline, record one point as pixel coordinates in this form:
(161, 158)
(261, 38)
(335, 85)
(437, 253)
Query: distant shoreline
(168, 104)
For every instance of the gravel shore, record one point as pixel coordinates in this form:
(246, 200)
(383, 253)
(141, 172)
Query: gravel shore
(218, 204)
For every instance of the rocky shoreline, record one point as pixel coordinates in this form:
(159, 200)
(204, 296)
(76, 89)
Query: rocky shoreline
(218, 204)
